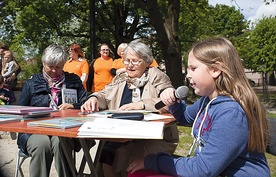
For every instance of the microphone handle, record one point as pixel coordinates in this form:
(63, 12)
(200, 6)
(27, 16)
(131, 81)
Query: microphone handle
(159, 105)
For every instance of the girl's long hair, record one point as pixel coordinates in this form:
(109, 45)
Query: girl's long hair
(221, 54)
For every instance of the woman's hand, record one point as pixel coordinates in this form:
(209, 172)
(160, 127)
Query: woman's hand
(12, 77)
(131, 106)
(65, 106)
(2, 97)
(91, 105)
(167, 96)
(135, 166)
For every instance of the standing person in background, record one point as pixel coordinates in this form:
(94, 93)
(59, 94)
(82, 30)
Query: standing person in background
(118, 65)
(229, 123)
(77, 63)
(100, 69)
(6, 94)
(45, 89)
(9, 68)
(4, 47)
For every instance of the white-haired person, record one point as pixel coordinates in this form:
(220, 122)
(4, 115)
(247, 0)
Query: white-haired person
(38, 91)
(138, 87)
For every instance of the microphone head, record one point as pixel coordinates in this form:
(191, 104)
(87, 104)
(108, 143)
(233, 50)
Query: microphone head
(181, 92)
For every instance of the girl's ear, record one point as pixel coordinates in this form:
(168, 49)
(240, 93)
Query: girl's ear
(215, 71)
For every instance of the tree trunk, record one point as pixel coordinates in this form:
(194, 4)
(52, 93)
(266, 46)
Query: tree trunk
(167, 32)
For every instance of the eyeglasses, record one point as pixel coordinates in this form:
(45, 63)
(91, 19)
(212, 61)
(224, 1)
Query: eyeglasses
(105, 50)
(127, 62)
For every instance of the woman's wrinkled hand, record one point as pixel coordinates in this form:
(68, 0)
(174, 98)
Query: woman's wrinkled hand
(65, 106)
(132, 106)
(91, 105)
(135, 166)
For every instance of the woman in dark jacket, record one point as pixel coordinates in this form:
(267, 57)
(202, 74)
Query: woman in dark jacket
(45, 90)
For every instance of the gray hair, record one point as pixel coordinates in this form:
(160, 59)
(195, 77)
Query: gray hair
(54, 55)
(142, 51)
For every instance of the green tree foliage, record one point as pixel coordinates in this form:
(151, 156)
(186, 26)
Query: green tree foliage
(172, 25)
(230, 23)
(262, 46)
(199, 20)
(41, 23)
(194, 22)
(227, 21)
(29, 68)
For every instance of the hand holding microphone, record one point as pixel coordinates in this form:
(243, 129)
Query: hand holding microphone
(180, 93)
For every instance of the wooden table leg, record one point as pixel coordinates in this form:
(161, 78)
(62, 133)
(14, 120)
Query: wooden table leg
(88, 157)
(66, 153)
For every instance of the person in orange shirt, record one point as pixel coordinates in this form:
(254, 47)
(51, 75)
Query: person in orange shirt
(101, 69)
(77, 63)
(118, 65)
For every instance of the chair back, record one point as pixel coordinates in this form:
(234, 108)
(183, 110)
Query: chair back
(271, 148)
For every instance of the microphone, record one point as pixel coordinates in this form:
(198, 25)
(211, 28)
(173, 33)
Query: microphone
(180, 93)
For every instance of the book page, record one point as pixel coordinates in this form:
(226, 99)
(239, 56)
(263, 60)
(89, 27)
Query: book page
(117, 128)
(153, 116)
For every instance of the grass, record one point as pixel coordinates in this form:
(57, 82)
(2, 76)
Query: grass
(185, 141)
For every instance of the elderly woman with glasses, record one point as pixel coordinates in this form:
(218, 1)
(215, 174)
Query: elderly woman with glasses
(138, 87)
(45, 89)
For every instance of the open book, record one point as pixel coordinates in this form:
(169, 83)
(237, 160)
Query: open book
(117, 128)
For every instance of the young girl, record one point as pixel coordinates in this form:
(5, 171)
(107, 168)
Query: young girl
(9, 67)
(229, 124)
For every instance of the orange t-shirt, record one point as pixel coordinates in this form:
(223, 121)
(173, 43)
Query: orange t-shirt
(77, 67)
(102, 75)
(118, 64)
(154, 63)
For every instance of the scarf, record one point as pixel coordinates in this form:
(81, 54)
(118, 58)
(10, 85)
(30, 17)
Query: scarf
(135, 83)
(55, 84)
